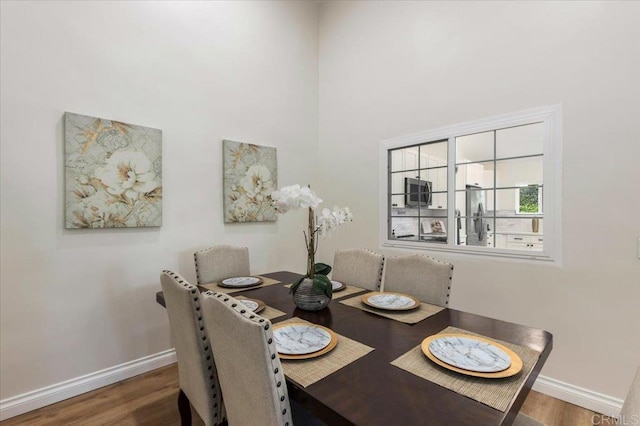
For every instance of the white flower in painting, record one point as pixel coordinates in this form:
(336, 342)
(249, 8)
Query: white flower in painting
(293, 197)
(128, 172)
(257, 182)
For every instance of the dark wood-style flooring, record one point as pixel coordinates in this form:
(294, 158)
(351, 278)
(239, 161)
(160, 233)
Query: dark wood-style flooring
(151, 399)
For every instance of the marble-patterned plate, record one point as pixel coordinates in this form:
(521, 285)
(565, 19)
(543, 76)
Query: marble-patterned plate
(241, 282)
(459, 353)
(301, 339)
(338, 286)
(390, 301)
(254, 305)
(470, 354)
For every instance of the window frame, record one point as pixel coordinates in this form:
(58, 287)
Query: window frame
(551, 117)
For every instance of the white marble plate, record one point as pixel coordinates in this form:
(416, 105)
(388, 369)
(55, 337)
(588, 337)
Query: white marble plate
(240, 282)
(337, 286)
(391, 301)
(299, 339)
(470, 354)
(249, 304)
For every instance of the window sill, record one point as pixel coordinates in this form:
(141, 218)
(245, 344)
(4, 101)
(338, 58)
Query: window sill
(538, 256)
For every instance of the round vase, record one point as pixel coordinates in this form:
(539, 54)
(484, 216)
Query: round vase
(306, 298)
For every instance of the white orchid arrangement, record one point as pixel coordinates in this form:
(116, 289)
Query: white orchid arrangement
(294, 197)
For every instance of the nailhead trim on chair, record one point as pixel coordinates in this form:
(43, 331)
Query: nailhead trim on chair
(381, 272)
(449, 287)
(273, 351)
(381, 266)
(205, 347)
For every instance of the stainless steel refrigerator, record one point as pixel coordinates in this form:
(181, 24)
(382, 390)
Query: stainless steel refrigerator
(476, 222)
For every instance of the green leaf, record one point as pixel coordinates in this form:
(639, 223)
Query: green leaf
(322, 284)
(321, 268)
(296, 284)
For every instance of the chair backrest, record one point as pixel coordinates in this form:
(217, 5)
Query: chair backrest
(358, 267)
(220, 262)
(426, 278)
(631, 406)
(255, 391)
(196, 370)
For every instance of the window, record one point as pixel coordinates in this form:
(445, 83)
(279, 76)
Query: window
(529, 199)
(488, 187)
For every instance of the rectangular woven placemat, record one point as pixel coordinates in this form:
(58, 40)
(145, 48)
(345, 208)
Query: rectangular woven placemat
(496, 393)
(306, 372)
(216, 287)
(413, 316)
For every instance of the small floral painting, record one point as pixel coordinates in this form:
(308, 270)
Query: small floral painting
(250, 176)
(113, 174)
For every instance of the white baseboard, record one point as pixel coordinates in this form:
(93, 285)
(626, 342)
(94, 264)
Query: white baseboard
(585, 398)
(39, 398)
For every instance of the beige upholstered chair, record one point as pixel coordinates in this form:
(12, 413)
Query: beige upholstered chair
(358, 267)
(196, 370)
(631, 407)
(255, 391)
(220, 262)
(426, 278)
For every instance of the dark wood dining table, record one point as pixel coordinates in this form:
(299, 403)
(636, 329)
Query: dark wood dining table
(371, 391)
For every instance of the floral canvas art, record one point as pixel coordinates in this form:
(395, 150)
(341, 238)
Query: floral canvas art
(113, 174)
(250, 176)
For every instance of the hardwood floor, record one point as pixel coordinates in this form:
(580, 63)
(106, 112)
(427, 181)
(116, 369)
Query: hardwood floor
(151, 399)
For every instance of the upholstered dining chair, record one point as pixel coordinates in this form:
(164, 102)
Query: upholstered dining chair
(426, 278)
(255, 391)
(358, 267)
(220, 262)
(197, 372)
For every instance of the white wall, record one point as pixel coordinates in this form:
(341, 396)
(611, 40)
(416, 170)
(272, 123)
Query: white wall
(74, 302)
(393, 68)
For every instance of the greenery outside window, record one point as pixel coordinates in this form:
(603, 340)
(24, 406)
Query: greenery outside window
(529, 199)
(461, 189)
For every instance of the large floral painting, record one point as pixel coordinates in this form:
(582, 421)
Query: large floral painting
(250, 176)
(113, 174)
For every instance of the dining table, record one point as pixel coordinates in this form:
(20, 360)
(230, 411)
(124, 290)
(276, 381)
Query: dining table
(371, 391)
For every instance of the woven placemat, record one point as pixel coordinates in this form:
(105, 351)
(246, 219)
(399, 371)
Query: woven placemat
(413, 316)
(496, 393)
(306, 372)
(351, 289)
(215, 287)
(268, 312)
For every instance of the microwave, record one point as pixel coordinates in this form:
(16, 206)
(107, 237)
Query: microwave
(417, 192)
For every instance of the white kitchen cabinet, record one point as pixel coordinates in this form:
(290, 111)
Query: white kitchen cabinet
(438, 178)
(411, 159)
(397, 179)
(405, 159)
(525, 242)
(500, 240)
(470, 174)
(475, 175)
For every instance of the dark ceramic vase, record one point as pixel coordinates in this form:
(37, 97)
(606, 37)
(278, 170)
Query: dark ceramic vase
(307, 299)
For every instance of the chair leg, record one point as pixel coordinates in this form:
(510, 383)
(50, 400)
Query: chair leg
(184, 407)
